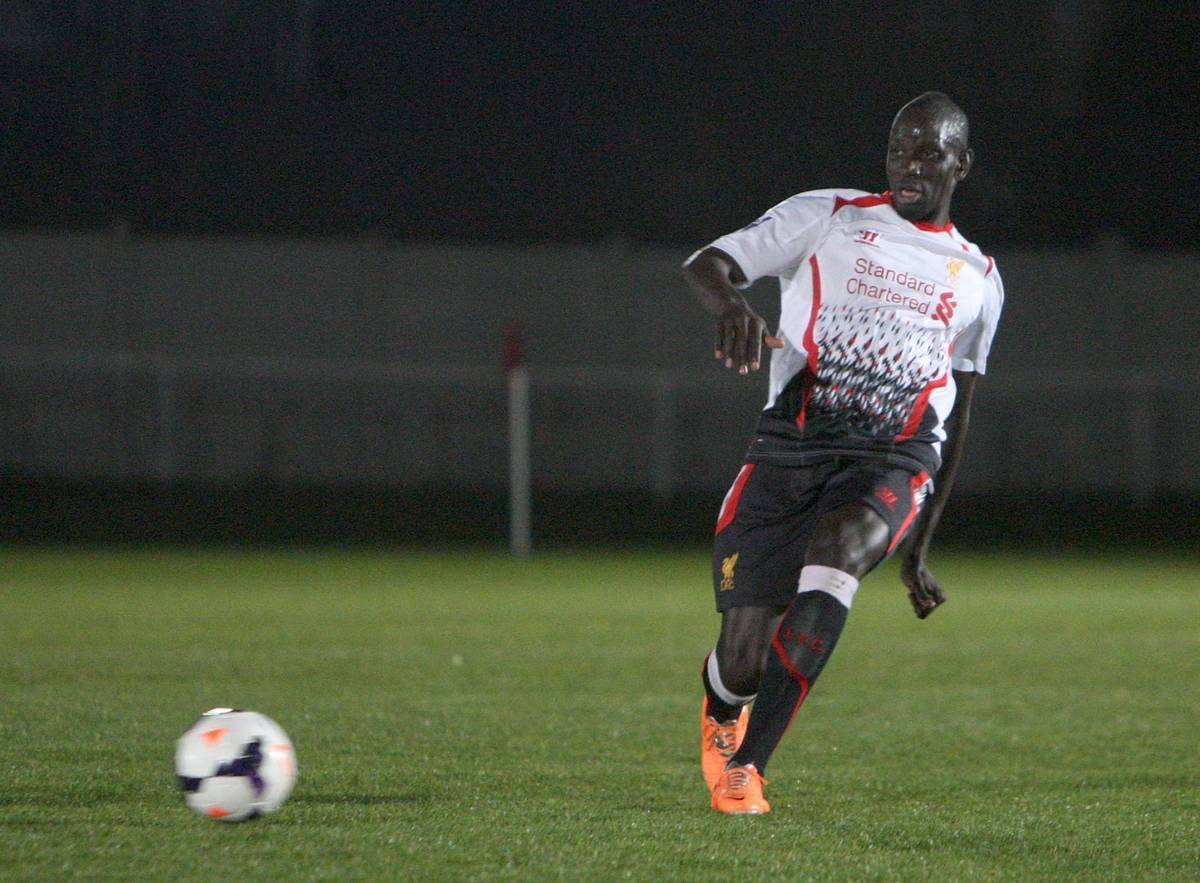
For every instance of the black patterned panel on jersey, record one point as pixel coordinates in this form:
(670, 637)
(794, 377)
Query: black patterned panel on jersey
(873, 366)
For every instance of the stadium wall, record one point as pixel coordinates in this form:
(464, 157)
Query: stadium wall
(370, 363)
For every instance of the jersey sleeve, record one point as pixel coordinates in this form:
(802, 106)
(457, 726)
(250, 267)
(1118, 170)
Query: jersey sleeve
(777, 243)
(972, 346)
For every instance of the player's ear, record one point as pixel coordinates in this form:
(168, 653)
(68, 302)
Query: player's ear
(965, 159)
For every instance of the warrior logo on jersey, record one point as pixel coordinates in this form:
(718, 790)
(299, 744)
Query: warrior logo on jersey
(867, 237)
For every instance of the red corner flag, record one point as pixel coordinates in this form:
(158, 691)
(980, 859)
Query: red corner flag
(514, 346)
(520, 502)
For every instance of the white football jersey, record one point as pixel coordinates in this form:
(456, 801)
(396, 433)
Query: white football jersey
(875, 312)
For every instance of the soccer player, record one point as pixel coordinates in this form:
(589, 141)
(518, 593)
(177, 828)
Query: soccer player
(886, 312)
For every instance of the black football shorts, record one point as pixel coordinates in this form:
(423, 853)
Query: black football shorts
(770, 511)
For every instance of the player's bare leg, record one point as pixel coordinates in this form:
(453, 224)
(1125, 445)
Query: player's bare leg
(731, 674)
(845, 545)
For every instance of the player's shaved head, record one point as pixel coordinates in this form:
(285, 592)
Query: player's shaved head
(927, 156)
(940, 110)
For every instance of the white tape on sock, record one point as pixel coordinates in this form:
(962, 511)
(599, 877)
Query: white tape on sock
(723, 692)
(815, 578)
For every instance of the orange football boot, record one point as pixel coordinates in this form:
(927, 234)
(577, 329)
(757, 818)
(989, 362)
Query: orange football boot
(739, 792)
(718, 742)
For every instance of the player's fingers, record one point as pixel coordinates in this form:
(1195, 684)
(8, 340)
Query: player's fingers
(933, 590)
(937, 601)
(754, 344)
(926, 597)
(921, 600)
(718, 350)
(740, 359)
(729, 341)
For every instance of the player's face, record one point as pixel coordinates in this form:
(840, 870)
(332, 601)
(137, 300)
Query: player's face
(924, 164)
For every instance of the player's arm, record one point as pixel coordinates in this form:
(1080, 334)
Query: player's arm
(741, 332)
(923, 590)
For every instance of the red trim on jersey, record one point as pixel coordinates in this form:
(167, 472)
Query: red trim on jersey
(800, 679)
(873, 199)
(918, 411)
(810, 345)
(869, 201)
(934, 228)
(918, 481)
(991, 265)
(885, 198)
(730, 505)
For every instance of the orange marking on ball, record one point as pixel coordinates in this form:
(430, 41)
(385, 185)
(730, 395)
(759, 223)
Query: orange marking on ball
(213, 736)
(283, 752)
(218, 813)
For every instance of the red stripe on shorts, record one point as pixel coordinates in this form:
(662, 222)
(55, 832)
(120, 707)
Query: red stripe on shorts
(730, 504)
(918, 482)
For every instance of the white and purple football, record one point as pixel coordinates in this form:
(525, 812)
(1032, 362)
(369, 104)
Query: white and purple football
(234, 765)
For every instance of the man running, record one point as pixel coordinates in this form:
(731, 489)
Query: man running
(887, 313)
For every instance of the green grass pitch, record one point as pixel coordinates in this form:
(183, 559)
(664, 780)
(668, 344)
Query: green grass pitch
(462, 715)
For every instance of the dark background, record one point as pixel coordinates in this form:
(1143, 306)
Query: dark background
(658, 122)
(621, 128)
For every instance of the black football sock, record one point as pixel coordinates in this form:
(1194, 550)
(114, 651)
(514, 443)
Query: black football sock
(799, 650)
(718, 708)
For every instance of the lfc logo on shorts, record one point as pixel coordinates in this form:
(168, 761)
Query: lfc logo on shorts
(727, 566)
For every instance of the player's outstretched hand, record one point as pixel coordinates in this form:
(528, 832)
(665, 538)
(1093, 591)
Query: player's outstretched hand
(741, 333)
(924, 592)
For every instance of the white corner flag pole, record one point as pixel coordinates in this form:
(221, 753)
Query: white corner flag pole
(520, 506)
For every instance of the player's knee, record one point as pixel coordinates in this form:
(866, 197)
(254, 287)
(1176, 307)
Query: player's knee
(741, 666)
(746, 674)
(838, 551)
(851, 545)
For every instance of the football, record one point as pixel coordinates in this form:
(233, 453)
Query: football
(234, 765)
